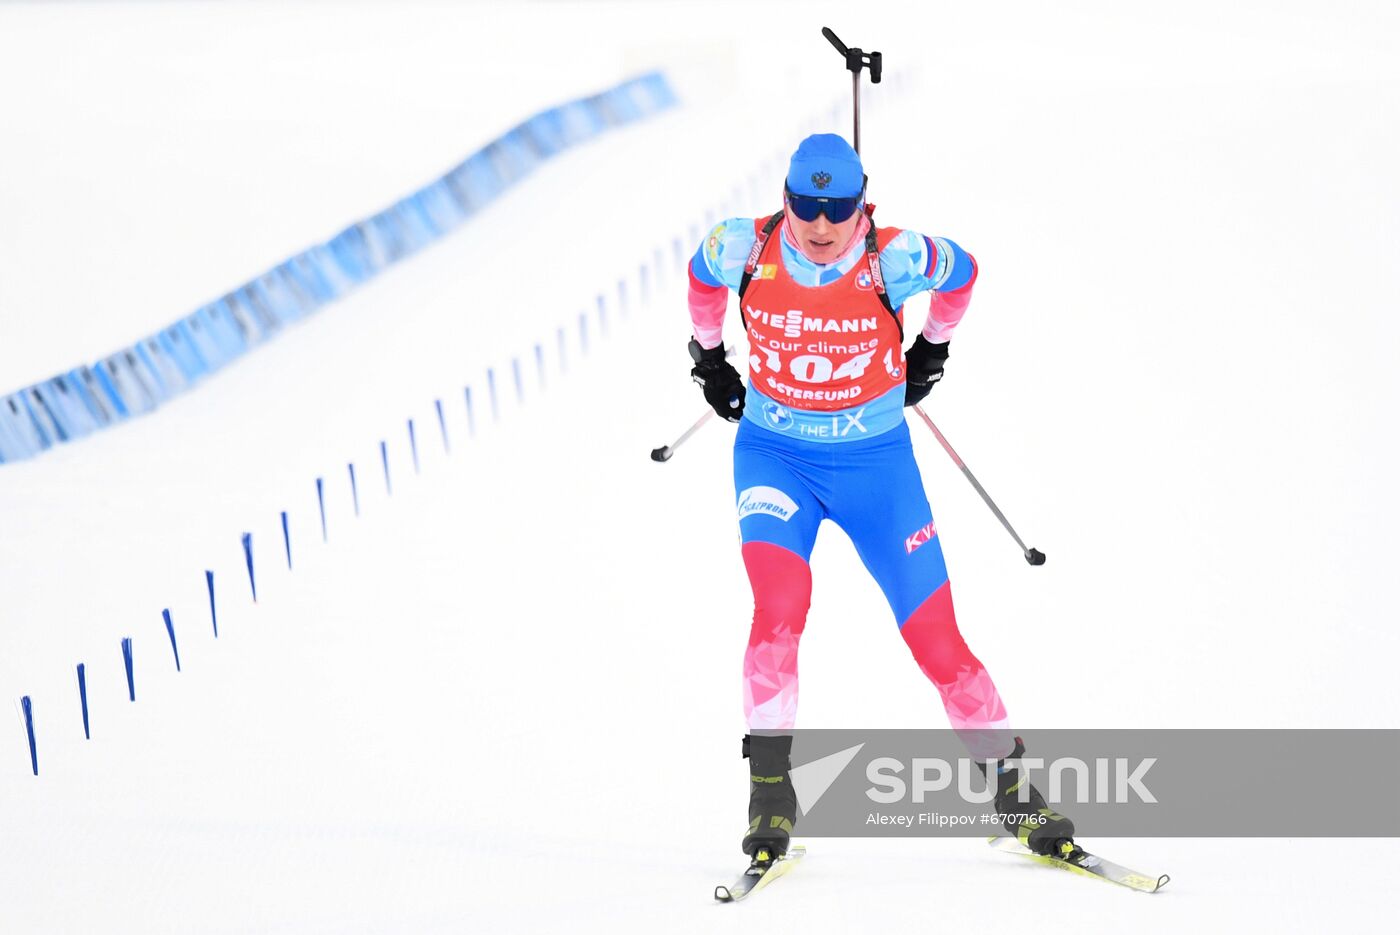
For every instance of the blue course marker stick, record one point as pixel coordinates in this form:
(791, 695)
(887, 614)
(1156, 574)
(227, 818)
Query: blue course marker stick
(248, 560)
(539, 364)
(413, 446)
(384, 459)
(583, 332)
(442, 426)
(170, 628)
(519, 383)
(354, 488)
(602, 316)
(622, 296)
(28, 707)
(321, 503)
(563, 351)
(643, 279)
(286, 540)
(471, 413)
(82, 698)
(491, 393)
(126, 659)
(213, 610)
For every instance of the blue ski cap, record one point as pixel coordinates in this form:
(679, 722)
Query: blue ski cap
(825, 166)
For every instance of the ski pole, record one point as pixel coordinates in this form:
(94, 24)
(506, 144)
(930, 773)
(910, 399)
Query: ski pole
(856, 59)
(1033, 556)
(665, 451)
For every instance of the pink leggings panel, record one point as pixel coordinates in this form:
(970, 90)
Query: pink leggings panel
(782, 591)
(968, 694)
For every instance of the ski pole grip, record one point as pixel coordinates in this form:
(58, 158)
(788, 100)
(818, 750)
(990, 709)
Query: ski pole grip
(856, 59)
(831, 37)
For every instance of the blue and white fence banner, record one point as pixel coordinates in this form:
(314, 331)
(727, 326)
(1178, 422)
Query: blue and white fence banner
(137, 379)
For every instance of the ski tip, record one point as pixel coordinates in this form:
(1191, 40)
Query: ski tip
(723, 895)
(661, 454)
(1162, 881)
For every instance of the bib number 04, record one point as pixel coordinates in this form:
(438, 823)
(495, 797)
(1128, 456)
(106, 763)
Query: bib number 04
(815, 368)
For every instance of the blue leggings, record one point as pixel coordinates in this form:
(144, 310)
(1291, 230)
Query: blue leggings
(871, 488)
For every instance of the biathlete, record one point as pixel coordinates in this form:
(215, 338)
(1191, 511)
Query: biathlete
(822, 436)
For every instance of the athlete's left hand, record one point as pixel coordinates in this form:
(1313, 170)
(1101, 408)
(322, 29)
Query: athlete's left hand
(923, 367)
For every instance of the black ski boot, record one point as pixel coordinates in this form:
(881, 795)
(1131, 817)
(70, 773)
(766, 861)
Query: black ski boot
(772, 801)
(1027, 817)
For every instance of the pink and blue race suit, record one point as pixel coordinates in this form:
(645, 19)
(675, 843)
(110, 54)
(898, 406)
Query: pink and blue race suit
(823, 436)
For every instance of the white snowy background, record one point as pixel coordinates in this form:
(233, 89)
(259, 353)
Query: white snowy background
(507, 697)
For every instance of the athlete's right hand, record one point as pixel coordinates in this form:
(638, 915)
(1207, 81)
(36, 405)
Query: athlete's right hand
(723, 387)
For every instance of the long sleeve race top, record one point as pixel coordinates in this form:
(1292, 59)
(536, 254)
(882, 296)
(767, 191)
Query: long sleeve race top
(912, 263)
(805, 389)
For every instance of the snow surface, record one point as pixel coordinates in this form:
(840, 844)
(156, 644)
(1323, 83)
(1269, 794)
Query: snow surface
(507, 696)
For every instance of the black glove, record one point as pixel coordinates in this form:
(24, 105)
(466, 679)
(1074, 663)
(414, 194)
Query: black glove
(724, 390)
(923, 367)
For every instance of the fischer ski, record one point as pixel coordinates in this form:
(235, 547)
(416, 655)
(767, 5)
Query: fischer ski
(1077, 860)
(760, 873)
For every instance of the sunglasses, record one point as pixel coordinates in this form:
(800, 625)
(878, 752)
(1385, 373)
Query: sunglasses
(808, 207)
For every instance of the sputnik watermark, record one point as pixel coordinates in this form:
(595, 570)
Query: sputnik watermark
(1130, 782)
(941, 820)
(1113, 780)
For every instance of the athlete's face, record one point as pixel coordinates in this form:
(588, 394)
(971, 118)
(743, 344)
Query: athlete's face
(822, 241)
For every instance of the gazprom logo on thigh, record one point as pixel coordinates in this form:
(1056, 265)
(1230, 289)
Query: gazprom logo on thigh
(766, 501)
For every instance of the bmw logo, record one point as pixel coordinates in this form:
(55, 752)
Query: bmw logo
(777, 416)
